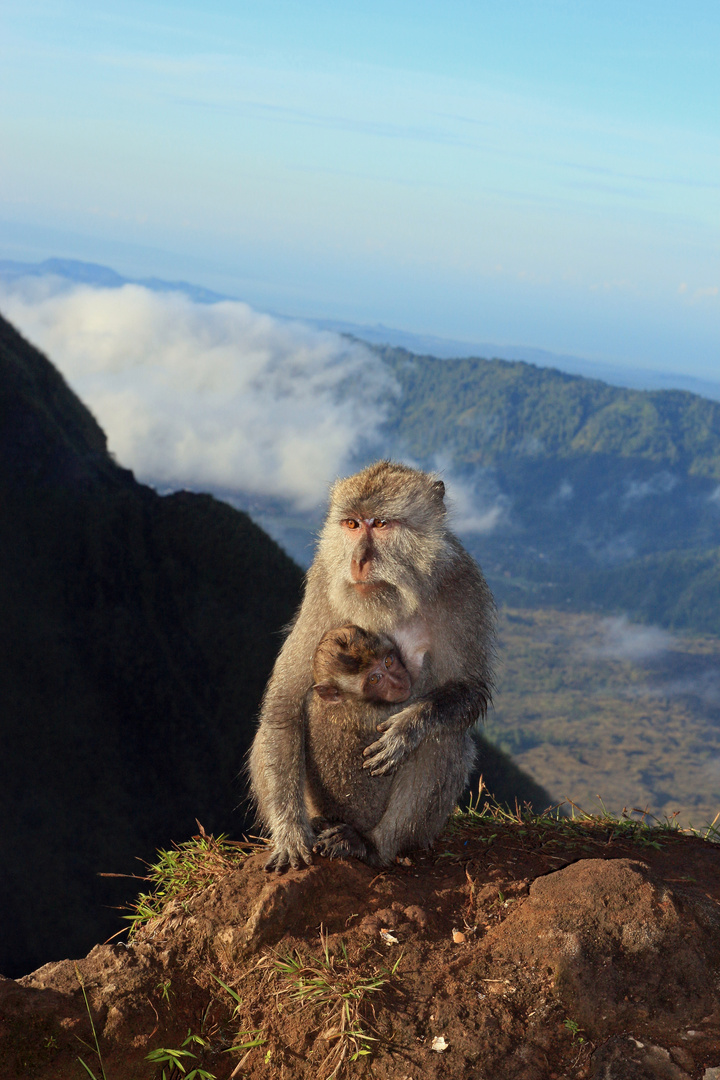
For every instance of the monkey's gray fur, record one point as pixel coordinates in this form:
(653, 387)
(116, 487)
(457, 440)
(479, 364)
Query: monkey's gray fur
(385, 561)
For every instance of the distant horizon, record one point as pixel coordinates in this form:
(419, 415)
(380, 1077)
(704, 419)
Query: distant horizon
(542, 173)
(617, 374)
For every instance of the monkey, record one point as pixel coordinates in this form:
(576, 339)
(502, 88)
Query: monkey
(358, 680)
(352, 662)
(386, 561)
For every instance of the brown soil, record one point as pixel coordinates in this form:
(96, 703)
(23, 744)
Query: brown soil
(511, 950)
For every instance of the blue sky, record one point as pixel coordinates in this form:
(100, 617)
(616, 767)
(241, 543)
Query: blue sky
(544, 174)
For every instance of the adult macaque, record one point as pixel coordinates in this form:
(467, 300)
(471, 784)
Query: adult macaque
(387, 562)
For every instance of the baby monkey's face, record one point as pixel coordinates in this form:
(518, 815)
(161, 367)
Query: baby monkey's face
(387, 680)
(352, 662)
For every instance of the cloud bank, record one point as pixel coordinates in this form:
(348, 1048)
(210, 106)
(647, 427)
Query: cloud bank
(661, 483)
(476, 506)
(209, 396)
(623, 640)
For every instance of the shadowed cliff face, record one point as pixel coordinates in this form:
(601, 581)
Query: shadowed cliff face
(517, 948)
(137, 633)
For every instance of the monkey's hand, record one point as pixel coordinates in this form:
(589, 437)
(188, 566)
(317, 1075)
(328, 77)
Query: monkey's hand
(401, 734)
(291, 848)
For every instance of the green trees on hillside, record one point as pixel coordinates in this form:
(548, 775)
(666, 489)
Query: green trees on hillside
(604, 498)
(492, 409)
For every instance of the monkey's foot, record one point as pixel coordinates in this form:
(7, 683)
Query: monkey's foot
(342, 841)
(289, 852)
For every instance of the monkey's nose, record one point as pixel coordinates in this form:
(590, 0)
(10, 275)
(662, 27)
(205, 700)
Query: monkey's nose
(358, 568)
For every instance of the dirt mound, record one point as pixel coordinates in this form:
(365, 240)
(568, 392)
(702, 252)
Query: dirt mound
(511, 950)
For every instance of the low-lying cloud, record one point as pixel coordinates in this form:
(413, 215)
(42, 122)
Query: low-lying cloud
(704, 685)
(476, 512)
(661, 483)
(622, 640)
(475, 504)
(209, 397)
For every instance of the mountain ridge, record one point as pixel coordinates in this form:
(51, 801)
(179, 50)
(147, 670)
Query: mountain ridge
(523, 414)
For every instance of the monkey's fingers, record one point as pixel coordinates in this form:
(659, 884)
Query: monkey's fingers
(340, 842)
(283, 859)
(384, 756)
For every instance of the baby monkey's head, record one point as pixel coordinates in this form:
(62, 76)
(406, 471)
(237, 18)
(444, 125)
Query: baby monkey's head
(352, 662)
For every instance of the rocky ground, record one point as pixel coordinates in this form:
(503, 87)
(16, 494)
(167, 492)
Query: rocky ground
(529, 948)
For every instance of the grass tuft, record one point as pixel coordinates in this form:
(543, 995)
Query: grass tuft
(93, 1049)
(331, 984)
(183, 871)
(567, 823)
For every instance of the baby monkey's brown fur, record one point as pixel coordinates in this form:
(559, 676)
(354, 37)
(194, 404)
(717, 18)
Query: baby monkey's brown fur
(357, 675)
(353, 662)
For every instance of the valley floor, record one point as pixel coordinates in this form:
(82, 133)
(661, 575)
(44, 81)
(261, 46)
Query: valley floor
(595, 708)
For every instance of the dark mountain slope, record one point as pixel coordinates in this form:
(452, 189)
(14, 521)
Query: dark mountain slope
(137, 633)
(47, 436)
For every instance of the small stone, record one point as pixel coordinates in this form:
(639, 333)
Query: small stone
(681, 1057)
(439, 1043)
(417, 915)
(624, 1058)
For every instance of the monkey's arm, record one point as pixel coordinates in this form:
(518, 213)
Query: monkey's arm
(454, 706)
(455, 685)
(277, 758)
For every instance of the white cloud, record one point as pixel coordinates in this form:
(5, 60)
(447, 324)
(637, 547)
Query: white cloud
(623, 640)
(476, 506)
(473, 513)
(213, 397)
(661, 483)
(705, 685)
(530, 446)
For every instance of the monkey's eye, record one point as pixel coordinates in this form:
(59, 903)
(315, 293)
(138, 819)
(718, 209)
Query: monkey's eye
(389, 660)
(379, 523)
(350, 523)
(374, 679)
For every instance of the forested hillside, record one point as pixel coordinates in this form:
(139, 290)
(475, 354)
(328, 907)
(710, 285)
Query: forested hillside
(498, 409)
(581, 494)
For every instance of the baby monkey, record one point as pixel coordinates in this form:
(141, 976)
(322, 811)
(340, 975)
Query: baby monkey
(352, 662)
(359, 680)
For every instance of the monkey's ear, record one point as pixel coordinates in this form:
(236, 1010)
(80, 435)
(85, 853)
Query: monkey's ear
(439, 489)
(327, 691)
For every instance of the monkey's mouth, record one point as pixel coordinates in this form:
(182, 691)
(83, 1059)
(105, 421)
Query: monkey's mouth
(367, 588)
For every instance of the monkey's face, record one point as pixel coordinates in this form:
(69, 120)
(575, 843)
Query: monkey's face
(352, 662)
(385, 680)
(383, 537)
(367, 541)
(383, 556)
(388, 680)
